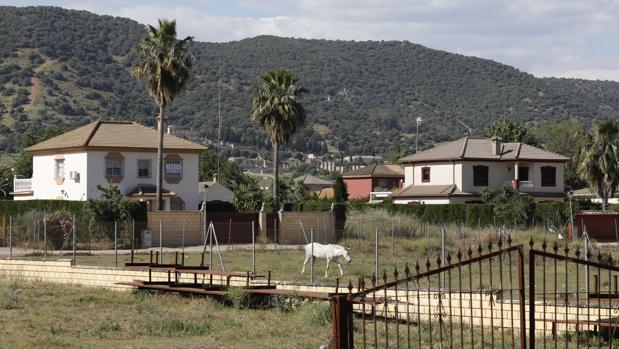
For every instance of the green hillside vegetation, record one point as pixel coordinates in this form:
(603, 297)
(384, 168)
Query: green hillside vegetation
(65, 68)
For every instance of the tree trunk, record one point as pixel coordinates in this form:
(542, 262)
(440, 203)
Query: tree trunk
(160, 160)
(275, 176)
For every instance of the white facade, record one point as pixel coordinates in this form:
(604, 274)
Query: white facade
(84, 170)
(500, 173)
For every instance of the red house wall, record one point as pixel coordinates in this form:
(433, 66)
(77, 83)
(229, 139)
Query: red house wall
(358, 188)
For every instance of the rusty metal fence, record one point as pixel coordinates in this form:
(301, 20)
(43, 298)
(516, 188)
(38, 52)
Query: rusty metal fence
(478, 299)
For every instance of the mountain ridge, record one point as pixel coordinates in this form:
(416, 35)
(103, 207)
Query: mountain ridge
(364, 95)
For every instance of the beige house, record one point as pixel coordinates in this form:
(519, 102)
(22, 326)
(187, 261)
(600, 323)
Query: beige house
(70, 166)
(455, 172)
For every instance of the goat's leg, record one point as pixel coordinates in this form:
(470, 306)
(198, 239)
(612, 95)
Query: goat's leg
(327, 271)
(307, 258)
(339, 266)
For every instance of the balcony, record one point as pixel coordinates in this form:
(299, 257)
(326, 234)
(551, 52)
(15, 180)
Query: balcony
(525, 186)
(22, 185)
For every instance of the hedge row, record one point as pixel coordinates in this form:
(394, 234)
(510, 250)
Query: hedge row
(15, 208)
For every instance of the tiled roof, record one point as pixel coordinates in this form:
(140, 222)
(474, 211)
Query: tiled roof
(424, 191)
(312, 180)
(481, 149)
(113, 134)
(376, 171)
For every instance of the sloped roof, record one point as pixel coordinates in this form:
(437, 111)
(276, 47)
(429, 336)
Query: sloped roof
(424, 191)
(481, 149)
(114, 134)
(376, 170)
(313, 180)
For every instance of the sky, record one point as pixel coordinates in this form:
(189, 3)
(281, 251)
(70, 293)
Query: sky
(560, 38)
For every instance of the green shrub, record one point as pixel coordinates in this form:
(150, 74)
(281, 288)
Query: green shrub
(238, 297)
(315, 313)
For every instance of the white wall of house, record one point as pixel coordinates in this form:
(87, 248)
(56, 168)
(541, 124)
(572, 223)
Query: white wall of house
(44, 184)
(499, 174)
(441, 173)
(91, 168)
(186, 188)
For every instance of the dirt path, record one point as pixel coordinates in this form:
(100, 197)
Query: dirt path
(34, 91)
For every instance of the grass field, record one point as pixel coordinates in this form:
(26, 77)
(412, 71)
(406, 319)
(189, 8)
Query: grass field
(40, 315)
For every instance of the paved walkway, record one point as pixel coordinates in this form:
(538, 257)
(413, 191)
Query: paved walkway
(4, 251)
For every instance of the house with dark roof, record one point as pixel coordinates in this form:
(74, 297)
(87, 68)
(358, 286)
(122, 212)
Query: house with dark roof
(322, 188)
(71, 165)
(455, 172)
(361, 182)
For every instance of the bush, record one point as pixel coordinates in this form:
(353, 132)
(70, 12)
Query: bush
(316, 313)
(238, 297)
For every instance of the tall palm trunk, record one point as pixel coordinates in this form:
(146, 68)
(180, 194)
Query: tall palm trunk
(275, 176)
(160, 160)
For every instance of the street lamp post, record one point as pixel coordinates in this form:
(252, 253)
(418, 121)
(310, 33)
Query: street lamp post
(419, 120)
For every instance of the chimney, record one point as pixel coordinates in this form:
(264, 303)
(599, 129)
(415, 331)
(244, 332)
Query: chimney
(496, 145)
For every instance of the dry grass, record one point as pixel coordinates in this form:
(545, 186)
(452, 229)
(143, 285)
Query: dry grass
(53, 316)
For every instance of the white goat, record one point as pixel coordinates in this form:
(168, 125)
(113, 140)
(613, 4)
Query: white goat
(331, 253)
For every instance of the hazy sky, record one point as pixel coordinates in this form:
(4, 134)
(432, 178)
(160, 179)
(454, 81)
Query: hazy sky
(564, 38)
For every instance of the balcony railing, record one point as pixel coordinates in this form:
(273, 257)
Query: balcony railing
(524, 185)
(22, 184)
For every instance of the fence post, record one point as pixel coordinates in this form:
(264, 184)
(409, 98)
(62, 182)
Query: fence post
(161, 239)
(229, 233)
(74, 245)
(132, 236)
(183, 241)
(10, 236)
(341, 318)
(312, 260)
(116, 244)
(393, 239)
(376, 251)
(523, 331)
(45, 237)
(442, 256)
(253, 247)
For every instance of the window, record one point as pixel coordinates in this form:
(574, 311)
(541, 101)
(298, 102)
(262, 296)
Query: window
(59, 170)
(549, 176)
(114, 167)
(382, 183)
(144, 168)
(425, 174)
(173, 168)
(480, 176)
(523, 173)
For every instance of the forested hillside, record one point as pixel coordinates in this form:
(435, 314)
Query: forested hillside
(68, 67)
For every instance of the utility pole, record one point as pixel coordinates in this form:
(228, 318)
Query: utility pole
(418, 121)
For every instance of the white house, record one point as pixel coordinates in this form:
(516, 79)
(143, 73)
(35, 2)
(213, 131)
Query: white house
(455, 172)
(70, 166)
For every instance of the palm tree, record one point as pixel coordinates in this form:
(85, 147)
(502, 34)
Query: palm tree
(599, 160)
(165, 66)
(276, 108)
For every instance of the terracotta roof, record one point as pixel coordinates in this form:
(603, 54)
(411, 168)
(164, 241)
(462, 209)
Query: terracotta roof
(376, 171)
(481, 149)
(424, 191)
(114, 134)
(313, 181)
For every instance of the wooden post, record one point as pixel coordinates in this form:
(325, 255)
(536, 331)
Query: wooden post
(341, 318)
